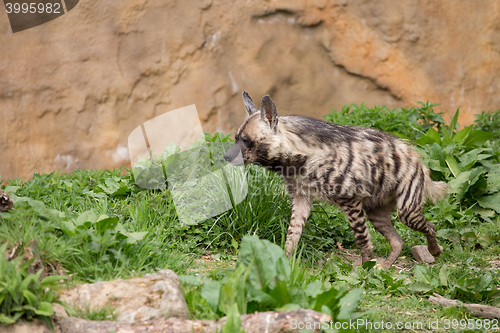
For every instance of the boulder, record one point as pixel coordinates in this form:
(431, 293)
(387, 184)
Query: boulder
(270, 322)
(157, 295)
(422, 254)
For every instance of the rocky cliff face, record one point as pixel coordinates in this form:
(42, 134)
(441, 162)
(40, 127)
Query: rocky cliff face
(73, 89)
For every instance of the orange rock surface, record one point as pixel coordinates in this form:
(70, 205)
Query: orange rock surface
(71, 90)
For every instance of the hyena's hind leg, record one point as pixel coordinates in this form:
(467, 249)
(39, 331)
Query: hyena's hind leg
(410, 202)
(353, 210)
(301, 207)
(380, 218)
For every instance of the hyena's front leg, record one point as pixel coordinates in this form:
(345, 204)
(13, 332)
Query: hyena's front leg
(353, 210)
(301, 207)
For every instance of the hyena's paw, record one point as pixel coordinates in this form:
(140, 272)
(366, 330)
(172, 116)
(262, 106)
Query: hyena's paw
(435, 251)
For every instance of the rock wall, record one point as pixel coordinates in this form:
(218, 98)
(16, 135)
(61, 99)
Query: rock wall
(72, 90)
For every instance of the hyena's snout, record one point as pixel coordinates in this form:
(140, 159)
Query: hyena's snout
(234, 155)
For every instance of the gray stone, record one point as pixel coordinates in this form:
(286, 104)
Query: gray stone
(270, 322)
(157, 295)
(422, 254)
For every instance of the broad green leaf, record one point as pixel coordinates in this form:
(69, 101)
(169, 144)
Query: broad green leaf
(399, 135)
(87, 216)
(44, 309)
(313, 288)
(422, 287)
(30, 297)
(280, 293)
(436, 166)
(477, 137)
(282, 268)
(461, 183)
(425, 140)
(349, 303)
(369, 264)
(233, 320)
(242, 291)
(94, 247)
(7, 320)
(111, 186)
(460, 136)
(26, 307)
(484, 282)
(326, 310)
(352, 278)
(228, 290)
(104, 222)
(453, 165)
(468, 159)
(422, 275)
(436, 153)
(434, 135)
(51, 280)
(328, 298)
(211, 293)
(67, 227)
(93, 194)
(68, 184)
(490, 201)
(261, 297)
(132, 237)
(31, 278)
(190, 279)
(494, 181)
(264, 270)
(453, 123)
(464, 180)
(11, 189)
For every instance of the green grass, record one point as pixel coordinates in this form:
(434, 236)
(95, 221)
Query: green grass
(98, 225)
(105, 313)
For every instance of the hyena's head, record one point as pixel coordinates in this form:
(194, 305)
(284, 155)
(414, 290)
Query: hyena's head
(257, 136)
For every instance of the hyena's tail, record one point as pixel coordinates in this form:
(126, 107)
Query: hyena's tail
(434, 191)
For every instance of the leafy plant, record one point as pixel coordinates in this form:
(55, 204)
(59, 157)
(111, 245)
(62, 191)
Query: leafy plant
(468, 289)
(489, 122)
(113, 186)
(467, 160)
(406, 123)
(23, 295)
(102, 234)
(94, 237)
(265, 280)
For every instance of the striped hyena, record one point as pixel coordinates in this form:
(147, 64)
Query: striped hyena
(361, 170)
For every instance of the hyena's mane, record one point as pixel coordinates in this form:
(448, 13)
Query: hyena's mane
(316, 132)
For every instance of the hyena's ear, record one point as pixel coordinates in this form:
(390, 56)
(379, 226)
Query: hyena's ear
(251, 108)
(268, 111)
